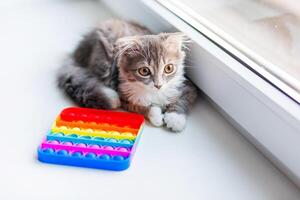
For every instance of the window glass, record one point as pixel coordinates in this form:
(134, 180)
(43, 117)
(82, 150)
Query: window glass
(267, 31)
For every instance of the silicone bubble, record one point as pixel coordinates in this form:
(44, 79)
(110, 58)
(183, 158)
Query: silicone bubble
(91, 155)
(86, 137)
(62, 152)
(112, 140)
(122, 149)
(81, 145)
(76, 154)
(63, 127)
(59, 134)
(48, 150)
(94, 146)
(127, 134)
(53, 142)
(89, 130)
(84, 116)
(98, 138)
(104, 157)
(125, 141)
(73, 135)
(67, 143)
(118, 158)
(108, 148)
(115, 133)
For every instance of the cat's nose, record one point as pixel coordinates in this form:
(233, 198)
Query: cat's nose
(157, 86)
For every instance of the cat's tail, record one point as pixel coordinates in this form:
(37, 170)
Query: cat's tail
(85, 89)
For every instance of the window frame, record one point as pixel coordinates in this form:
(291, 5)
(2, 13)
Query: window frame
(266, 116)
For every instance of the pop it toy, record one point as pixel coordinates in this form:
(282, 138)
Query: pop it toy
(92, 138)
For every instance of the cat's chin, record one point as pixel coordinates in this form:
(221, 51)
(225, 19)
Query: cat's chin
(156, 89)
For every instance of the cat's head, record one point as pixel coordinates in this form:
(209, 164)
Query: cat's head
(153, 60)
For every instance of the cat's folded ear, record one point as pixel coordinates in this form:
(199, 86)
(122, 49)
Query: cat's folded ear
(127, 46)
(177, 40)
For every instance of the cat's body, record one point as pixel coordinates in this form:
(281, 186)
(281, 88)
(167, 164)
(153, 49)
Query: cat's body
(122, 63)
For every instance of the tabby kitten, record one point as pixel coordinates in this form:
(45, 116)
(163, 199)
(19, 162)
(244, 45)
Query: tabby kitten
(122, 63)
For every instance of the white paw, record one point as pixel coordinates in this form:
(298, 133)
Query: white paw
(115, 103)
(155, 116)
(113, 97)
(175, 121)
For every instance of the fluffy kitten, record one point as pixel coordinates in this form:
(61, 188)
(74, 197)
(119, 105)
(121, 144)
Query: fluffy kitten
(121, 61)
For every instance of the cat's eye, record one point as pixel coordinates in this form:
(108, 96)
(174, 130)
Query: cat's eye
(169, 68)
(144, 71)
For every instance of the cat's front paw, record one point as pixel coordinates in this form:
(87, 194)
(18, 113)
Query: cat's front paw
(115, 103)
(112, 96)
(175, 121)
(155, 116)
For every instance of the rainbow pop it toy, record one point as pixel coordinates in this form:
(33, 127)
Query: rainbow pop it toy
(92, 138)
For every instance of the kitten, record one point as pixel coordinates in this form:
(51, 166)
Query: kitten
(121, 62)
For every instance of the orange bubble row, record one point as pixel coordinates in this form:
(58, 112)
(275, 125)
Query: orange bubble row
(94, 125)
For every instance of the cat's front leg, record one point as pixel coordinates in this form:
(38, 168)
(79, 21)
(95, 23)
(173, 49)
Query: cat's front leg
(155, 116)
(152, 113)
(175, 121)
(175, 116)
(176, 112)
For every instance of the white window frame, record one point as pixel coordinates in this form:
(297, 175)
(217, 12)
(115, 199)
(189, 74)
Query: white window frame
(263, 114)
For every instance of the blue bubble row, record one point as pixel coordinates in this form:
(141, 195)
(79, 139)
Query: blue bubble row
(79, 154)
(90, 140)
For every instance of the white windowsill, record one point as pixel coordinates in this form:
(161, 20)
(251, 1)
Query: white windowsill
(210, 159)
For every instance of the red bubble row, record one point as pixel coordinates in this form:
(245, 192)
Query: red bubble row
(122, 119)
